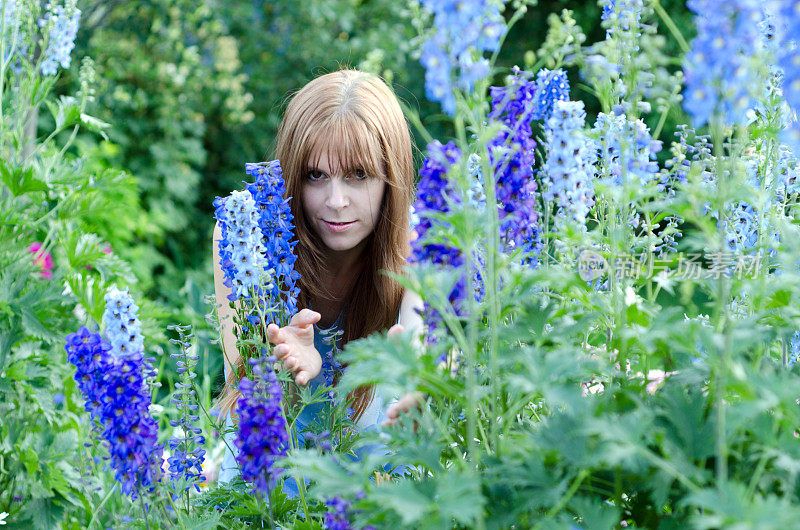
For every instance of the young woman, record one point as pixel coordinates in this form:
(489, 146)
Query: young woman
(346, 155)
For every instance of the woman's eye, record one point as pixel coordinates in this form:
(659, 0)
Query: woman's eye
(314, 175)
(359, 174)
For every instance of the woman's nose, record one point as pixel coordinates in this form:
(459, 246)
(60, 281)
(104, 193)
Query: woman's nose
(337, 198)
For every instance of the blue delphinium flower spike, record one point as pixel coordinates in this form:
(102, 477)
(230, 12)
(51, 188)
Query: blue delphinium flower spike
(262, 436)
(186, 462)
(241, 249)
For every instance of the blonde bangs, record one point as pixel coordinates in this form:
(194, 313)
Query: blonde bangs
(348, 139)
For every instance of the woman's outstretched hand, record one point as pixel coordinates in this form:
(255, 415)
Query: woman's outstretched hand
(294, 346)
(408, 401)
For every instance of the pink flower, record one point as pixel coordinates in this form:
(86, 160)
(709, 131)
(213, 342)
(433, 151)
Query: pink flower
(43, 259)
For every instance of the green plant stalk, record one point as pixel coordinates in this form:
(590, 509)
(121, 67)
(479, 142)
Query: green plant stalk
(144, 511)
(576, 483)
(673, 28)
(175, 509)
(662, 119)
(492, 225)
(100, 506)
(471, 345)
(470, 354)
(721, 366)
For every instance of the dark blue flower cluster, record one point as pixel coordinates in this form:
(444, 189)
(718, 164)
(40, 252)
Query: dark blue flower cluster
(89, 353)
(435, 193)
(130, 430)
(61, 24)
(241, 249)
(551, 86)
(569, 169)
(337, 517)
(262, 436)
(718, 77)
(113, 381)
(186, 462)
(512, 155)
(462, 32)
(277, 228)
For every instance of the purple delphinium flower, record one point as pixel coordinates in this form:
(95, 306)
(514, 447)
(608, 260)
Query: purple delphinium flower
(129, 429)
(718, 77)
(262, 436)
(89, 353)
(114, 385)
(61, 24)
(569, 168)
(241, 248)
(515, 104)
(512, 155)
(462, 32)
(435, 193)
(551, 86)
(338, 516)
(186, 462)
(277, 229)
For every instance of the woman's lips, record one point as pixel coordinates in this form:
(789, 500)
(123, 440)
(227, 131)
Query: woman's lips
(337, 227)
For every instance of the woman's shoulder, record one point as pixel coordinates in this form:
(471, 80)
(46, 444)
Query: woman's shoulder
(410, 308)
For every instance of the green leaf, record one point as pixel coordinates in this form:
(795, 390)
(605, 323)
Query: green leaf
(44, 513)
(20, 180)
(30, 459)
(458, 495)
(405, 499)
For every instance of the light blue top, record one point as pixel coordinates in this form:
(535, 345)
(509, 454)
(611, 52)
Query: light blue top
(372, 417)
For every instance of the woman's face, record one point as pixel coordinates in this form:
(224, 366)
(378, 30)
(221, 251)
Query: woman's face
(341, 204)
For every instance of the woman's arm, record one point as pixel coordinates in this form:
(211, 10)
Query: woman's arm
(409, 320)
(225, 313)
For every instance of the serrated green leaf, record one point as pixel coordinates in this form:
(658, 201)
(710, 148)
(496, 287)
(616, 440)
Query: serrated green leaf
(20, 180)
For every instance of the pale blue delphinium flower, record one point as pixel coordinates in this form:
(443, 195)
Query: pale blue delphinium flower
(122, 326)
(569, 169)
(452, 56)
(61, 24)
(241, 249)
(719, 78)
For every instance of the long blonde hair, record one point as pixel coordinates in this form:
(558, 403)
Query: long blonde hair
(356, 117)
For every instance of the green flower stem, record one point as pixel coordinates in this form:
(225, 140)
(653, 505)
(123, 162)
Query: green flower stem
(576, 483)
(720, 368)
(100, 506)
(175, 509)
(144, 511)
(673, 28)
(491, 289)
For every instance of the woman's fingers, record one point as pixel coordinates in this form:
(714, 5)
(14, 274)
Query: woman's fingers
(396, 330)
(280, 351)
(302, 378)
(275, 335)
(304, 317)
